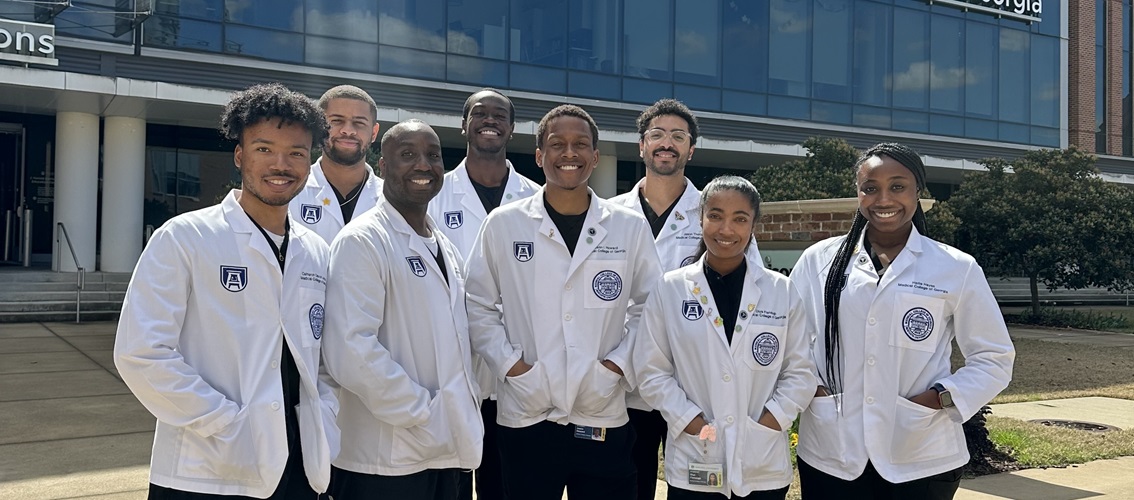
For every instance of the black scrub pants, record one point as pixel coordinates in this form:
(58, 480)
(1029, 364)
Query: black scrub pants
(818, 485)
(540, 460)
(429, 484)
(489, 482)
(649, 432)
(676, 493)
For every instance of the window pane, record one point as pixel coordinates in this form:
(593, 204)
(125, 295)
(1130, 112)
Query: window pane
(947, 64)
(981, 129)
(702, 98)
(1051, 22)
(746, 39)
(744, 103)
(829, 112)
(696, 53)
(947, 125)
(649, 39)
(409, 62)
(830, 67)
(274, 45)
(593, 32)
(172, 32)
(911, 121)
(212, 10)
(910, 82)
(645, 91)
(1045, 82)
(279, 14)
(1015, 52)
(871, 54)
(538, 78)
(412, 23)
(788, 48)
(477, 28)
(789, 107)
(477, 71)
(332, 53)
(594, 85)
(872, 117)
(980, 69)
(90, 21)
(354, 19)
(539, 32)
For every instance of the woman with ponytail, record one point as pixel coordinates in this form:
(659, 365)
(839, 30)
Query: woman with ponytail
(722, 354)
(888, 302)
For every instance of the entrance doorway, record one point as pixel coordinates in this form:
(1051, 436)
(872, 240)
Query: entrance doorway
(11, 193)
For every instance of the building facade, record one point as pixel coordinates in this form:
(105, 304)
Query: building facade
(108, 108)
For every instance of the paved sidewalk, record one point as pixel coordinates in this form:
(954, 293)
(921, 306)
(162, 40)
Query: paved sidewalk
(70, 429)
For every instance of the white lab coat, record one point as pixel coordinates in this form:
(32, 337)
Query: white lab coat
(317, 207)
(459, 214)
(897, 335)
(687, 367)
(564, 314)
(397, 343)
(200, 342)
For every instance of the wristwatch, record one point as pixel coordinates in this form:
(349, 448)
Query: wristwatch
(944, 397)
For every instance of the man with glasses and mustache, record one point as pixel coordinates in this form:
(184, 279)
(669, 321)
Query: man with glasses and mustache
(667, 132)
(342, 185)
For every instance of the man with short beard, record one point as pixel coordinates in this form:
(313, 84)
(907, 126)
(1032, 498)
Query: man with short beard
(342, 185)
(482, 182)
(667, 134)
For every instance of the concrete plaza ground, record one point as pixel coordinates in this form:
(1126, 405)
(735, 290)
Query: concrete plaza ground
(70, 429)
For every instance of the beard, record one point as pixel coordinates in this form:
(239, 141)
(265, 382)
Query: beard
(249, 186)
(346, 157)
(665, 170)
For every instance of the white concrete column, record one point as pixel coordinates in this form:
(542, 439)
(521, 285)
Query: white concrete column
(76, 187)
(123, 193)
(604, 180)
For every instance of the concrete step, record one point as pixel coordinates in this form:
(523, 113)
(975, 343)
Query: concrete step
(21, 275)
(57, 316)
(59, 305)
(54, 286)
(60, 295)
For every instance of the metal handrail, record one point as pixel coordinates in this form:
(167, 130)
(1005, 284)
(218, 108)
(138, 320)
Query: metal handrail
(81, 276)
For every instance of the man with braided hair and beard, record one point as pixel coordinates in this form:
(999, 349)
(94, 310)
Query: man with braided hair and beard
(889, 302)
(220, 330)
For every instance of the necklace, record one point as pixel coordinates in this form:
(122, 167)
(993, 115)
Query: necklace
(357, 191)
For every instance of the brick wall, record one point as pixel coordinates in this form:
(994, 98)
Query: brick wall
(808, 221)
(1114, 77)
(1081, 73)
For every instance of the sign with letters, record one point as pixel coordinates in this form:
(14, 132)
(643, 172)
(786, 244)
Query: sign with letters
(1023, 10)
(24, 42)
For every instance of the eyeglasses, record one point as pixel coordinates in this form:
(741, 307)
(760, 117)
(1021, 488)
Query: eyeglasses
(679, 137)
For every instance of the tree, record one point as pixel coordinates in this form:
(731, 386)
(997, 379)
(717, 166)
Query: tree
(824, 173)
(1053, 220)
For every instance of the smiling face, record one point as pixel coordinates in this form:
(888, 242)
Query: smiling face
(568, 155)
(727, 220)
(353, 130)
(666, 155)
(274, 160)
(411, 166)
(488, 126)
(887, 194)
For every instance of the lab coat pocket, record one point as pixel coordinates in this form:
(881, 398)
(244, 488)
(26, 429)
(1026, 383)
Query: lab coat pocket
(599, 385)
(424, 442)
(921, 433)
(228, 455)
(763, 344)
(527, 394)
(820, 432)
(918, 322)
(687, 449)
(764, 455)
(606, 279)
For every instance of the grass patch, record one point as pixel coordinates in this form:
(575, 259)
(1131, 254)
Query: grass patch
(1061, 317)
(1125, 315)
(1036, 445)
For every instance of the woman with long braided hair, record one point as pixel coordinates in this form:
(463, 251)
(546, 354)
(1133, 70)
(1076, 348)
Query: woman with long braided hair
(888, 303)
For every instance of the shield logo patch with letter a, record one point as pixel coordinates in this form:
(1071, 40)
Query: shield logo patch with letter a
(311, 213)
(233, 278)
(523, 250)
(455, 220)
(416, 266)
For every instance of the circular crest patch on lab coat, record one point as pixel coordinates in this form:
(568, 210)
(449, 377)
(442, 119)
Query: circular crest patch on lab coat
(765, 347)
(315, 315)
(918, 324)
(607, 285)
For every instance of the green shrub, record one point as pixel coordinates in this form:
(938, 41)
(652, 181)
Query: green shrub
(1070, 318)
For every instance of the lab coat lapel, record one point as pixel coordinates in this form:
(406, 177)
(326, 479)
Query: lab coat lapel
(326, 196)
(698, 287)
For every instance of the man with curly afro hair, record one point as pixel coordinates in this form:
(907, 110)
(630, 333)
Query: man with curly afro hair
(220, 330)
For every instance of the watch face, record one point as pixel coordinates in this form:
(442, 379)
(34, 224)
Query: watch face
(946, 399)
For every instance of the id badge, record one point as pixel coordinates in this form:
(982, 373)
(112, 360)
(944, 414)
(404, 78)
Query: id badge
(711, 475)
(590, 433)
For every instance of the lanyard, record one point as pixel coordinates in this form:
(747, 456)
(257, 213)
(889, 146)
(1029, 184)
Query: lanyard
(280, 251)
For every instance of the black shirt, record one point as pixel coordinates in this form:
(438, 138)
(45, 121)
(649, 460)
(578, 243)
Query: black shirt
(570, 226)
(490, 196)
(657, 222)
(727, 291)
(348, 202)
